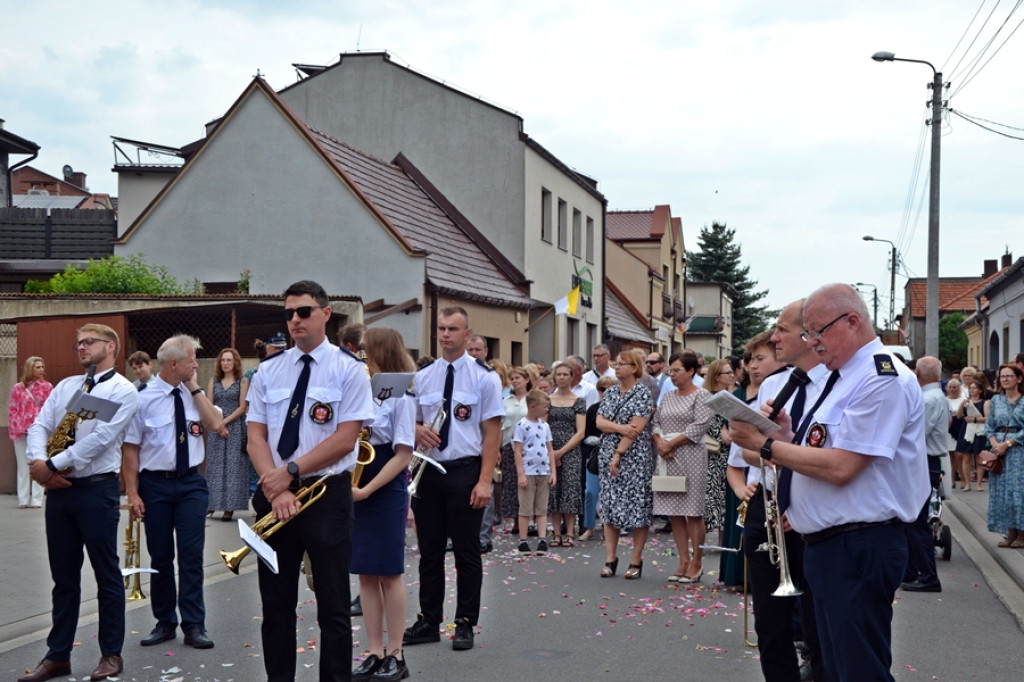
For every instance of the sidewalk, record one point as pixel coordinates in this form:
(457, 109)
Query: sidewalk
(25, 572)
(1003, 568)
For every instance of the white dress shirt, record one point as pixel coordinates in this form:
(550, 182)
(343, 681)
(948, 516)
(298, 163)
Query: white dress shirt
(153, 430)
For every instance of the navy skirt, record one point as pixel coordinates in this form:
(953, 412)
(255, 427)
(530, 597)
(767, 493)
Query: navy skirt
(378, 533)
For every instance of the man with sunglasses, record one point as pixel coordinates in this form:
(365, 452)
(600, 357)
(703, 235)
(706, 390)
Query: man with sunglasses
(83, 499)
(306, 407)
(860, 474)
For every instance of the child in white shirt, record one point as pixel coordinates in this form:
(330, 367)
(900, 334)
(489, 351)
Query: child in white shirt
(531, 441)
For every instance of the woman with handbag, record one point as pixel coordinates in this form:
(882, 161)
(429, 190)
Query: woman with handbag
(679, 426)
(626, 462)
(972, 414)
(720, 378)
(1004, 431)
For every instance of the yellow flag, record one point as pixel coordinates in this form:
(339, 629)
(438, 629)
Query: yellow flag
(569, 303)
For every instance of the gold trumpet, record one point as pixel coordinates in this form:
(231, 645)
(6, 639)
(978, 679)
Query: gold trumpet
(365, 455)
(268, 525)
(776, 543)
(133, 557)
(64, 435)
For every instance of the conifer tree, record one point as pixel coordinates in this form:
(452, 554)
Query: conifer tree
(719, 259)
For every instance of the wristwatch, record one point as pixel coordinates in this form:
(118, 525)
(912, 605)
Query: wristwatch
(766, 449)
(198, 390)
(293, 470)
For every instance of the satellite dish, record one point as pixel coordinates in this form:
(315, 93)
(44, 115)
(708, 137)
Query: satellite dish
(68, 171)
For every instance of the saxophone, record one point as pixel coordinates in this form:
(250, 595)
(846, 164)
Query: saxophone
(64, 434)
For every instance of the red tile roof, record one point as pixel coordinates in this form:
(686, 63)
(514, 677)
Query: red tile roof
(956, 294)
(628, 225)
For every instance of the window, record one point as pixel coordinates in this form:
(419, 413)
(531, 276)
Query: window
(590, 240)
(545, 215)
(577, 233)
(563, 225)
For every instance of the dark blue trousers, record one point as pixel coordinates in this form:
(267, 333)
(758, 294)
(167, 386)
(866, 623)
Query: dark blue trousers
(176, 511)
(920, 541)
(79, 519)
(854, 577)
(324, 529)
(442, 511)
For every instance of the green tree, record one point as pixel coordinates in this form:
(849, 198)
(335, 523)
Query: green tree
(114, 275)
(952, 342)
(719, 259)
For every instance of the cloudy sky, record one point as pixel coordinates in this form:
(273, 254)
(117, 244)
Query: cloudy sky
(769, 116)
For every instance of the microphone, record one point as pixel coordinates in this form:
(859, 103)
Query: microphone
(797, 378)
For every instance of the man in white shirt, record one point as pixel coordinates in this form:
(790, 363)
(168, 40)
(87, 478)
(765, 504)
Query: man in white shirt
(602, 365)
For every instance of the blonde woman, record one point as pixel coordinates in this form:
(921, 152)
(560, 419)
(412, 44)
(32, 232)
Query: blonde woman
(27, 398)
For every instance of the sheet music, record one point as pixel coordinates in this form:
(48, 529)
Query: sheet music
(264, 551)
(732, 408)
(386, 385)
(88, 406)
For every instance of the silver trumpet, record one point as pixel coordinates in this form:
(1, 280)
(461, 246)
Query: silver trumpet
(420, 457)
(776, 544)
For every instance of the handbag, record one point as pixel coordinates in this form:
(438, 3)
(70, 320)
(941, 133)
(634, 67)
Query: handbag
(990, 461)
(712, 444)
(663, 483)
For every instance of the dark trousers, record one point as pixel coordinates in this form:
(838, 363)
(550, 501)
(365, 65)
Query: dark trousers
(324, 529)
(176, 511)
(442, 511)
(920, 542)
(854, 577)
(84, 516)
(775, 617)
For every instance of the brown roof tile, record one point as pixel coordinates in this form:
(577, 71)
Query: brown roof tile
(628, 225)
(956, 294)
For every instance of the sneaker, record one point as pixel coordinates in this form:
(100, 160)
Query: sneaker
(531, 532)
(421, 632)
(463, 639)
(542, 547)
(524, 547)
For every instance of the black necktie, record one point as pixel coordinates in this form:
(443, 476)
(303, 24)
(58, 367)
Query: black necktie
(289, 441)
(180, 435)
(449, 385)
(786, 475)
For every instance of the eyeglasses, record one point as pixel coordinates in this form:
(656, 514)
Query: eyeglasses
(655, 362)
(85, 343)
(303, 312)
(726, 373)
(818, 333)
(1007, 376)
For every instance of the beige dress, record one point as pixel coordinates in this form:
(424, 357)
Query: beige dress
(688, 415)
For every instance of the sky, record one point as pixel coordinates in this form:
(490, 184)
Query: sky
(768, 116)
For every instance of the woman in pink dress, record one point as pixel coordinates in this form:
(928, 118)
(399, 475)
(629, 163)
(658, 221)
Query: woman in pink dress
(680, 423)
(27, 397)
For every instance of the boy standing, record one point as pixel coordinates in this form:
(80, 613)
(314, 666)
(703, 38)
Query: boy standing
(534, 454)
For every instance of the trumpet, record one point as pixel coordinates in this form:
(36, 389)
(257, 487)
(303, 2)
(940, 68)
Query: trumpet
(133, 557)
(365, 455)
(776, 543)
(268, 525)
(420, 457)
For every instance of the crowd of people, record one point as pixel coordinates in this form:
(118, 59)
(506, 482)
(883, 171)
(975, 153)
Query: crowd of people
(568, 454)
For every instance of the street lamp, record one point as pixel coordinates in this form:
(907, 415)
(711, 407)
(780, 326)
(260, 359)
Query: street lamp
(931, 316)
(892, 280)
(875, 289)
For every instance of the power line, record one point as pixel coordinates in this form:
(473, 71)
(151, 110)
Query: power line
(974, 70)
(955, 48)
(975, 39)
(984, 127)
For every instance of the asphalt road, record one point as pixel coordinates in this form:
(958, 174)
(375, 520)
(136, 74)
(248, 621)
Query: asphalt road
(553, 617)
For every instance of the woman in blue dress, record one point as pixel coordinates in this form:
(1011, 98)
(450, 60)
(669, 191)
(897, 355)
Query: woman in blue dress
(381, 508)
(1004, 431)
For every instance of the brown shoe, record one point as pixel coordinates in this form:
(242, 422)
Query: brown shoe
(48, 669)
(109, 666)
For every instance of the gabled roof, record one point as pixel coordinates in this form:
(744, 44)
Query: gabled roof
(456, 264)
(996, 281)
(628, 225)
(13, 144)
(955, 293)
(621, 318)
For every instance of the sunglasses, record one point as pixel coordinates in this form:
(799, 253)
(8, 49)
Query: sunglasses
(303, 312)
(655, 362)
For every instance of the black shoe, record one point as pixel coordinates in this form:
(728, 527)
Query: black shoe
(918, 586)
(463, 635)
(450, 548)
(486, 547)
(531, 532)
(524, 547)
(198, 639)
(161, 633)
(542, 547)
(391, 669)
(421, 632)
(365, 670)
(356, 608)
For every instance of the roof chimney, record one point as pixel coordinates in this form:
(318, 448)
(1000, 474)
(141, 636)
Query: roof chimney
(990, 268)
(1007, 259)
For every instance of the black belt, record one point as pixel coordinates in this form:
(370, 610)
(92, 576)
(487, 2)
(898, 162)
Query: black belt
(173, 473)
(822, 535)
(95, 478)
(460, 462)
(310, 480)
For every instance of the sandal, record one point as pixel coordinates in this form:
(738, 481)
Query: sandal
(609, 568)
(635, 571)
(1017, 544)
(567, 541)
(556, 541)
(676, 578)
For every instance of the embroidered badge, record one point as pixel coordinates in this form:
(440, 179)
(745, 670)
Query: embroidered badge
(195, 428)
(321, 413)
(817, 435)
(463, 412)
(884, 366)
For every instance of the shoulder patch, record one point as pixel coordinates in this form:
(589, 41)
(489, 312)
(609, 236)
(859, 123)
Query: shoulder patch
(275, 356)
(410, 392)
(484, 365)
(425, 365)
(351, 354)
(884, 365)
